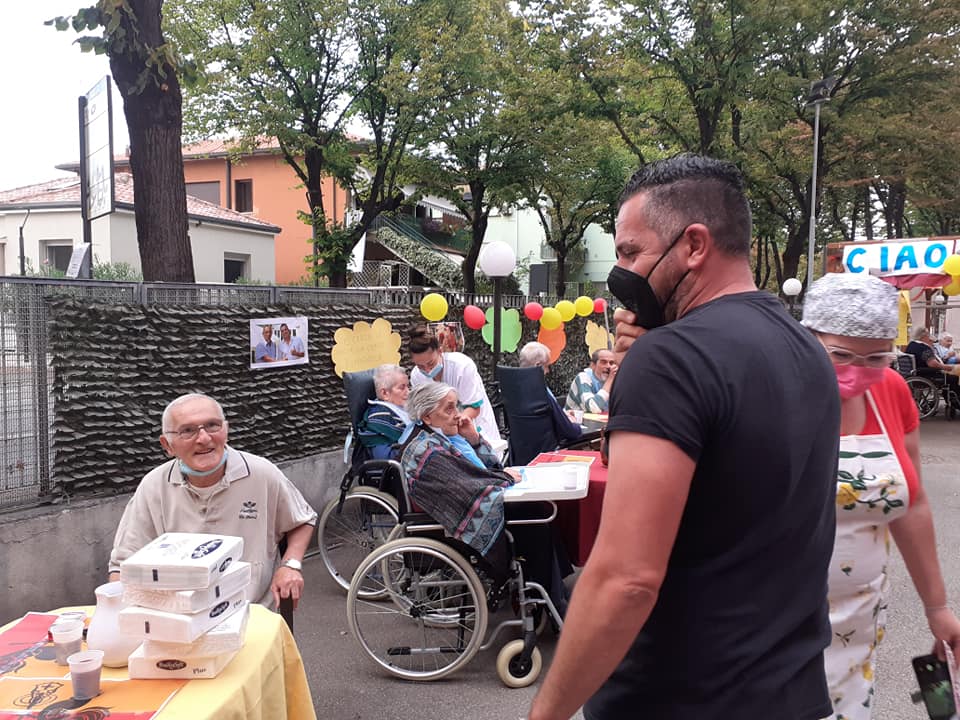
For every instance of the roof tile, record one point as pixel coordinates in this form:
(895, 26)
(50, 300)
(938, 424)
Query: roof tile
(66, 191)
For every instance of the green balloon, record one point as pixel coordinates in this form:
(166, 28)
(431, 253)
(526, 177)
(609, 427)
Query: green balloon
(510, 329)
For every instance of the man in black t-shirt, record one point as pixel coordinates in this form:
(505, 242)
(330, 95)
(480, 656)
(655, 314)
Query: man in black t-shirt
(705, 594)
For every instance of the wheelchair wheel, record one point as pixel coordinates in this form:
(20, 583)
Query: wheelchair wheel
(514, 671)
(437, 617)
(926, 395)
(367, 518)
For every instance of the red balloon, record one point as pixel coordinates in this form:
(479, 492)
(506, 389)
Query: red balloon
(533, 311)
(599, 305)
(474, 317)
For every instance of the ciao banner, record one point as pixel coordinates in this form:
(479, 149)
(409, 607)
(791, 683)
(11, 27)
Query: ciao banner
(907, 257)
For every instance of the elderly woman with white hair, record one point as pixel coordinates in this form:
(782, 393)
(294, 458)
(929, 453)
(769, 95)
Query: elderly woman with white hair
(944, 349)
(454, 476)
(386, 420)
(879, 490)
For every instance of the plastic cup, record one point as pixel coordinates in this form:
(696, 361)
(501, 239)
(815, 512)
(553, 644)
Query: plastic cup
(578, 417)
(67, 638)
(85, 670)
(570, 477)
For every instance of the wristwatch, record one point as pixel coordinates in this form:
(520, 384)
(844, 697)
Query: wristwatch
(293, 564)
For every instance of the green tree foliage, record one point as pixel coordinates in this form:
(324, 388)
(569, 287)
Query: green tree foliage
(477, 150)
(302, 71)
(144, 67)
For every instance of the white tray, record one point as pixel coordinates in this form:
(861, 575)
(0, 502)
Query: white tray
(550, 481)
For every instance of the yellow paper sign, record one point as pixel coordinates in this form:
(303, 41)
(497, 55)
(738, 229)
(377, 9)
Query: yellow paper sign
(597, 337)
(365, 346)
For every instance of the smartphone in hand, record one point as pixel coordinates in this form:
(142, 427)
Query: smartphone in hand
(936, 690)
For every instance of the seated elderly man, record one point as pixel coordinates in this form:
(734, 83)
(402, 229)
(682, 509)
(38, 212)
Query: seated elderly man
(209, 487)
(386, 420)
(944, 349)
(535, 354)
(590, 389)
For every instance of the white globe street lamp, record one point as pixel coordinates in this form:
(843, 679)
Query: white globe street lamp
(497, 260)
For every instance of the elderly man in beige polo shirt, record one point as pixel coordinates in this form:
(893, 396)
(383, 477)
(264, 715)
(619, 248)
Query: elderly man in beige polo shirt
(211, 487)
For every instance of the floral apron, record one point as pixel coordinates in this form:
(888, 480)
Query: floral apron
(871, 491)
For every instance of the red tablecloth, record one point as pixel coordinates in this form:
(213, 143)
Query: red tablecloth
(579, 520)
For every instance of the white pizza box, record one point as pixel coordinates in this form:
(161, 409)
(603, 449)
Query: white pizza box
(226, 637)
(188, 667)
(149, 624)
(181, 561)
(236, 577)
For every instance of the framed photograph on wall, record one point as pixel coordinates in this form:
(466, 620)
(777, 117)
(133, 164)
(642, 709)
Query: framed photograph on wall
(449, 335)
(278, 342)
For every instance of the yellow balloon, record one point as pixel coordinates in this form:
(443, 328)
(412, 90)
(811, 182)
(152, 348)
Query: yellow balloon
(951, 266)
(433, 307)
(952, 289)
(551, 320)
(583, 305)
(566, 309)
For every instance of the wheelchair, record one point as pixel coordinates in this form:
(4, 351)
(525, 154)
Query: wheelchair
(420, 604)
(365, 511)
(928, 390)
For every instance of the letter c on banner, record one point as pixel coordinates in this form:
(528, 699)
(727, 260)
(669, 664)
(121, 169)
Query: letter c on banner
(851, 256)
(929, 261)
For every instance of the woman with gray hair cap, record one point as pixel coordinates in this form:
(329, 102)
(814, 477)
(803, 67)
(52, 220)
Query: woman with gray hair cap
(879, 491)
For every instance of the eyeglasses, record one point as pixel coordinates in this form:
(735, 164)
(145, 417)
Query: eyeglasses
(842, 356)
(191, 431)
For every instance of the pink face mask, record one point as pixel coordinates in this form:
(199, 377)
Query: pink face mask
(855, 379)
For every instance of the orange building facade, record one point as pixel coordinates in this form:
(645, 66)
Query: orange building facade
(262, 184)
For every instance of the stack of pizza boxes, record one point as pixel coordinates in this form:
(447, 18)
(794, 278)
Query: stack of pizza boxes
(186, 599)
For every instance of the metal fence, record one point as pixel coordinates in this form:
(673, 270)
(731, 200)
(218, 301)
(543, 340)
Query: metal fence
(26, 379)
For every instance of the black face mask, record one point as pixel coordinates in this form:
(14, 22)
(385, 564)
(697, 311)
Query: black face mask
(637, 296)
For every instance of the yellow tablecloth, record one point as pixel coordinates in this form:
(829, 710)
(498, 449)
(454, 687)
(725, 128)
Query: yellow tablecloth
(264, 681)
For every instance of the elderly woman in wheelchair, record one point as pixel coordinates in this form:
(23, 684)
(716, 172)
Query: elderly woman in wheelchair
(454, 563)
(385, 420)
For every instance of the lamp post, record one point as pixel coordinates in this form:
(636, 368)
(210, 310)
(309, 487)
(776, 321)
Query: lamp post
(23, 257)
(497, 260)
(819, 94)
(792, 288)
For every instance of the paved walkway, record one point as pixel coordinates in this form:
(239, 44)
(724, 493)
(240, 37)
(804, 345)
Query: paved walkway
(346, 686)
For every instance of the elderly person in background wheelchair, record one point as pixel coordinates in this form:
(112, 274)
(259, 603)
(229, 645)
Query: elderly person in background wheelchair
(386, 420)
(944, 349)
(454, 476)
(535, 354)
(929, 365)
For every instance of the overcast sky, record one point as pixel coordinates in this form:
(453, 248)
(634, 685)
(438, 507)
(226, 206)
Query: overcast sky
(43, 74)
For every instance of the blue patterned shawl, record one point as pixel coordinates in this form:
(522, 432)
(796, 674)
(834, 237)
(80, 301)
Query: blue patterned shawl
(465, 499)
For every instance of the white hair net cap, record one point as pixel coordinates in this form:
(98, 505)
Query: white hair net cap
(852, 305)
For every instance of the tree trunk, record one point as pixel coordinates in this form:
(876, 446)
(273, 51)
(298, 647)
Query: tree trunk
(796, 248)
(154, 121)
(478, 229)
(313, 162)
(561, 272)
(896, 201)
(867, 213)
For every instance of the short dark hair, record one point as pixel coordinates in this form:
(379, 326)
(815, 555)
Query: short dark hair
(688, 189)
(420, 339)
